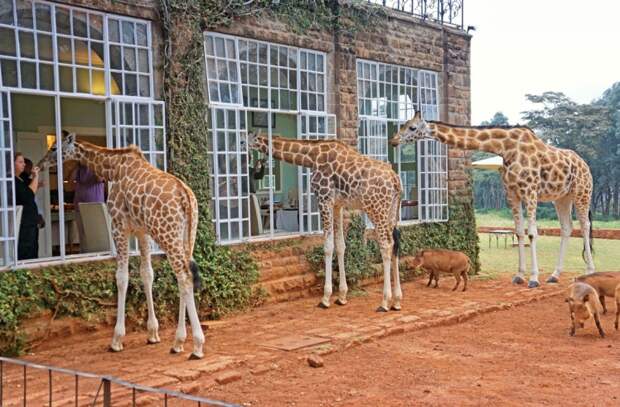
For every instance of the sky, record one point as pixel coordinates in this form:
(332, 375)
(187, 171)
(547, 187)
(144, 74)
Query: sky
(533, 46)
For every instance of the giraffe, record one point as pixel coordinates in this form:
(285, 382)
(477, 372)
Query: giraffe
(343, 178)
(533, 172)
(144, 201)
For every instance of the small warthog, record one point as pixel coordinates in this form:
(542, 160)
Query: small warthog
(436, 261)
(606, 284)
(583, 303)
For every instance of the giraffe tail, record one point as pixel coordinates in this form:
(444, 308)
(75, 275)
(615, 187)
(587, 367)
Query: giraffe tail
(193, 266)
(396, 237)
(583, 252)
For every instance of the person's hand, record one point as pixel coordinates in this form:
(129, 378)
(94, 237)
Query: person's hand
(259, 165)
(35, 171)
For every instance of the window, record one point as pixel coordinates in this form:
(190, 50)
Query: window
(276, 81)
(39, 37)
(222, 70)
(130, 57)
(65, 67)
(389, 95)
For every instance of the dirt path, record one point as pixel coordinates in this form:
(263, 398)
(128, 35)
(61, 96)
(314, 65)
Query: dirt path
(494, 344)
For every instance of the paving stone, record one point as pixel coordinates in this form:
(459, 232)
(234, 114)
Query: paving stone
(409, 318)
(183, 375)
(294, 342)
(228, 377)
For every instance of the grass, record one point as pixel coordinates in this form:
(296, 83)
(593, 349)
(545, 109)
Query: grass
(503, 218)
(499, 260)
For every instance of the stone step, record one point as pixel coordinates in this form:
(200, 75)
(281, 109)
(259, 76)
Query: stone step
(290, 284)
(289, 270)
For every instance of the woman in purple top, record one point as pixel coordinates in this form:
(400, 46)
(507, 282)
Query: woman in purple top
(88, 188)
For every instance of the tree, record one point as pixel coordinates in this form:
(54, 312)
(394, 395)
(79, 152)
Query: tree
(591, 130)
(488, 189)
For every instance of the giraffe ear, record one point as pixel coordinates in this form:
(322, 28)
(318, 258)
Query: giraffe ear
(417, 115)
(70, 139)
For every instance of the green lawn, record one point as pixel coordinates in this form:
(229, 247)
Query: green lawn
(499, 260)
(504, 219)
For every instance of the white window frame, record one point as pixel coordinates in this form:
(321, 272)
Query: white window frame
(375, 105)
(90, 68)
(276, 63)
(312, 126)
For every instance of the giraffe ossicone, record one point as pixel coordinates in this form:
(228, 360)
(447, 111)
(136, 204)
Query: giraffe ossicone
(145, 202)
(533, 171)
(344, 178)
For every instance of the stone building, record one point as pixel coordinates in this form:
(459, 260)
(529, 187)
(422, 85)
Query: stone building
(96, 68)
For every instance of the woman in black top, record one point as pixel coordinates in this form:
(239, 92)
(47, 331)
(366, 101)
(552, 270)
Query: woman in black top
(25, 188)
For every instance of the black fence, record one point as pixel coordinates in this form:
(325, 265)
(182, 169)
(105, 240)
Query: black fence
(24, 382)
(448, 12)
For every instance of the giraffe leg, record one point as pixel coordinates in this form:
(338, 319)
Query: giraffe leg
(517, 215)
(340, 249)
(563, 207)
(328, 248)
(181, 333)
(533, 235)
(180, 265)
(397, 292)
(122, 280)
(146, 272)
(584, 221)
(386, 246)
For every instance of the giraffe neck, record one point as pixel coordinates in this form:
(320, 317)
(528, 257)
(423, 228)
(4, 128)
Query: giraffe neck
(104, 162)
(298, 152)
(471, 138)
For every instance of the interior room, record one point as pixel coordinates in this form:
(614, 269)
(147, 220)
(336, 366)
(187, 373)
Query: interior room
(34, 131)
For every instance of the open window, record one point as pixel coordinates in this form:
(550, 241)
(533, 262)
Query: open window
(388, 96)
(86, 72)
(280, 91)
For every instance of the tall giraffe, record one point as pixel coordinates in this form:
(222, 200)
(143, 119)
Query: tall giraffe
(342, 177)
(144, 201)
(533, 171)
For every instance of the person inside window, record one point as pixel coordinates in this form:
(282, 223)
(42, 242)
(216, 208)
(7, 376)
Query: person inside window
(257, 172)
(25, 190)
(88, 188)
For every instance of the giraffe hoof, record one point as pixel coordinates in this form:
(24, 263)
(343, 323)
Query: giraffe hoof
(340, 302)
(174, 351)
(533, 284)
(382, 309)
(115, 349)
(395, 308)
(323, 306)
(518, 280)
(553, 280)
(194, 356)
(151, 341)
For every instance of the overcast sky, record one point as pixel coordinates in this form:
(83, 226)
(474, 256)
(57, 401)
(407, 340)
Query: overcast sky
(533, 46)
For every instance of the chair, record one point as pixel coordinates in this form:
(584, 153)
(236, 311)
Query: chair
(97, 227)
(256, 220)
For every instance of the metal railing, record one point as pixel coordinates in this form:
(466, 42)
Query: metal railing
(448, 12)
(102, 395)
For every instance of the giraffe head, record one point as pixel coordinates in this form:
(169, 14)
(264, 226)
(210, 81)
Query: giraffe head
(68, 150)
(256, 141)
(412, 131)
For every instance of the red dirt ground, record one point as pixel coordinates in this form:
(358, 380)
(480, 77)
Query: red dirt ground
(495, 344)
